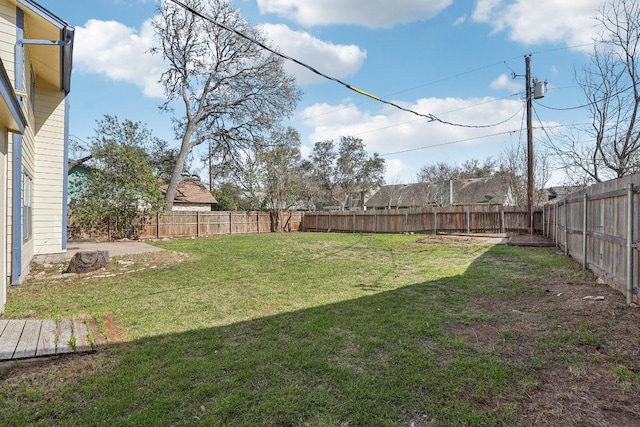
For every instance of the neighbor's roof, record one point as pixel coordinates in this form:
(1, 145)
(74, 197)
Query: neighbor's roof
(480, 190)
(193, 191)
(406, 195)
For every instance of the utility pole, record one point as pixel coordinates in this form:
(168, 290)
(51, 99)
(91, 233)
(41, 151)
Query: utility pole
(530, 153)
(534, 89)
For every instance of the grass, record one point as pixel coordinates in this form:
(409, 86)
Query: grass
(299, 330)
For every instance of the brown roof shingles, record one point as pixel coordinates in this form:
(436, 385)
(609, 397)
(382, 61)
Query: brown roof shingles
(193, 191)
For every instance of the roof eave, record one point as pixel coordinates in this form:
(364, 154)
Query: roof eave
(67, 34)
(43, 13)
(10, 108)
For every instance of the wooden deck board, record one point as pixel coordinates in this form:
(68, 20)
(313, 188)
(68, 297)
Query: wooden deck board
(47, 342)
(29, 340)
(82, 336)
(64, 337)
(10, 337)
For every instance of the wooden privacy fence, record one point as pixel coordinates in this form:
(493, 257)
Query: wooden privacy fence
(203, 224)
(451, 219)
(598, 226)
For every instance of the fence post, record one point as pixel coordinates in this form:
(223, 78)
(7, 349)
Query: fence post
(258, 222)
(329, 224)
(544, 224)
(566, 227)
(230, 223)
(354, 221)
(435, 220)
(630, 244)
(375, 221)
(468, 221)
(158, 224)
(585, 219)
(406, 221)
(197, 224)
(555, 224)
(503, 225)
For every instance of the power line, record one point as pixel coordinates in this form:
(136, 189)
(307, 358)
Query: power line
(446, 143)
(484, 126)
(470, 139)
(289, 58)
(429, 117)
(620, 92)
(542, 126)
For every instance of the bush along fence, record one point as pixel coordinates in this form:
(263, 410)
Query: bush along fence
(598, 226)
(450, 219)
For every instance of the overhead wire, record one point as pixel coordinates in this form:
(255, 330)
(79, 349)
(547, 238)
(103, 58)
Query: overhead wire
(445, 112)
(457, 141)
(542, 126)
(588, 103)
(468, 139)
(429, 117)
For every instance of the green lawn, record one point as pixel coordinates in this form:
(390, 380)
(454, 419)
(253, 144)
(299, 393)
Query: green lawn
(297, 330)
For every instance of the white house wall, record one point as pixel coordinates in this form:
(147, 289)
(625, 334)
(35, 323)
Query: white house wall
(4, 280)
(28, 167)
(49, 171)
(8, 38)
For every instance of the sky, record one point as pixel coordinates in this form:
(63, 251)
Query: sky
(455, 59)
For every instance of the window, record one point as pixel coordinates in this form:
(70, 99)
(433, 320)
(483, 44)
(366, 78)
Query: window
(27, 221)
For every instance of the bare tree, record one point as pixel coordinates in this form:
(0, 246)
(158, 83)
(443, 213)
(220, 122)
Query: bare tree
(339, 174)
(392, 191)
(439, 175)
(280, 176)
(232, 91)
(512, 166)
(610, 146)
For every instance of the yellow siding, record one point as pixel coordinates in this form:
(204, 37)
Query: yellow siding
(8, 37)
(42, 157)
(9, 181)
(49, 172)
(4, 279)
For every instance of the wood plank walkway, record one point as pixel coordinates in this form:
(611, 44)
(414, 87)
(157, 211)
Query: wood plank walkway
(26, 339)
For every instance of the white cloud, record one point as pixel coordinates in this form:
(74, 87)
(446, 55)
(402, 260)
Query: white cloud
(337, 60)
(393, 130)
(366, 13)
(408, 142)
(542, 21)
(119, 53)
(461, 20)
(504, 82)
(395, 171)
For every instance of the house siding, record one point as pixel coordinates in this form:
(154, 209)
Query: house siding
(191, 207)
(4, 138)
(49, 171)
(28, 167)
(7, 55)
(8, 38)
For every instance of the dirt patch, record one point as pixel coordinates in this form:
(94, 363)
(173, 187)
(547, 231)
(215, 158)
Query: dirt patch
(481, 335)
(495, 239)
(584, 353)
(113, 331)
(117, 266)
(532, 240)
(50, 374)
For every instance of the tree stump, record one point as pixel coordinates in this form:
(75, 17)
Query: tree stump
(86, 261)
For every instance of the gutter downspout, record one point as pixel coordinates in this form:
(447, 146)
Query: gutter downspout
(16, 226)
